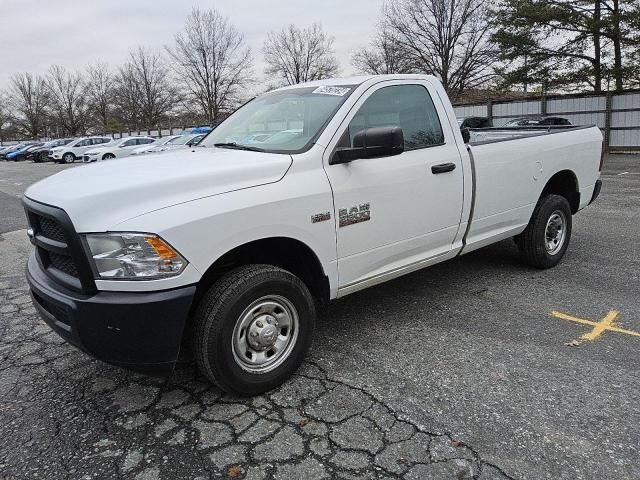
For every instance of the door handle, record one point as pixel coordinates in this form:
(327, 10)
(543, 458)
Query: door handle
(443, 168)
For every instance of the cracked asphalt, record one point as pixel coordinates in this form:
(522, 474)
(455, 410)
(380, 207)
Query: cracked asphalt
(457, 371)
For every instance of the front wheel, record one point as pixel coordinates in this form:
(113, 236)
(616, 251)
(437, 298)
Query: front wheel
(68, 158)
(253, 328)
(546, 238)
(108, 156)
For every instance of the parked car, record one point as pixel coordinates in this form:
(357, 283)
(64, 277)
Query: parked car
(536, 121)
(5, 149)
(41, 153)
(231, 246)
(21, 154)
(117, 149)
(74, 150)
(150, 146)
(474, 122)
(178, 143)
(554, 121)
(204, 130)
(13, 148)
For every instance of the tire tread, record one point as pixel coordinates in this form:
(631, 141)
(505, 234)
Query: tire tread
(532, 252)
(223, 292)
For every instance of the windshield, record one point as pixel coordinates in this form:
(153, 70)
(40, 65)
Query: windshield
(181, 140)
(284, 121)
(162, 141)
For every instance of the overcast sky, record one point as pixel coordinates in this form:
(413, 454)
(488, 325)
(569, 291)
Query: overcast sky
(35, 34)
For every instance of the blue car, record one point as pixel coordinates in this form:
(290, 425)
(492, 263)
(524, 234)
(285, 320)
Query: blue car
(21, 153)
(201, 130)
(13, 148)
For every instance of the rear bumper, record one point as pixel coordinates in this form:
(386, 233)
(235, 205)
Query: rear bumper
(137, 330)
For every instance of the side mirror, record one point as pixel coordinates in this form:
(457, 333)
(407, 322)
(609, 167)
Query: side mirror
(371, 142)
(466, 134)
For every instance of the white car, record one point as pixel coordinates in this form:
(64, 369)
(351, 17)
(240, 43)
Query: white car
(178, 143)
(151, 147)
(74, 150)
(231, 247)
(116, 149)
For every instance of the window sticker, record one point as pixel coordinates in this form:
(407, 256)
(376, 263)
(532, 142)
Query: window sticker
(329, 90)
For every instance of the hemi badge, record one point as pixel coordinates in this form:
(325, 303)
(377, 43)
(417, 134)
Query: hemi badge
(320, 217)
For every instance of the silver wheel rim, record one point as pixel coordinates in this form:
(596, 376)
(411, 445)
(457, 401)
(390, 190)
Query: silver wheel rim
(555, 232)
(68, 158)
(265, 334)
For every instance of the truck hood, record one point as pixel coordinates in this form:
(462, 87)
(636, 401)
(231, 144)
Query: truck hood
(99, 196)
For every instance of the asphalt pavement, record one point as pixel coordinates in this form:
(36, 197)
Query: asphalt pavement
(473, 368)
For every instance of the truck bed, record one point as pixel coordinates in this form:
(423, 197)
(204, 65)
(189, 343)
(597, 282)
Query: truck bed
(511, 166)
(479, 136)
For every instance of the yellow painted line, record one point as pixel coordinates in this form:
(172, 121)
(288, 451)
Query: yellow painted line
(607, 323)
(601, 326)
(564, 316)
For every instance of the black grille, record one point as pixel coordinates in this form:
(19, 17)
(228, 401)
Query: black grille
(63, 263)
(59, 248)
(59, 313)
(51, 229)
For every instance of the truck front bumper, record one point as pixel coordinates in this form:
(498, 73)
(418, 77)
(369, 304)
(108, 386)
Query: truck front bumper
(138, 330)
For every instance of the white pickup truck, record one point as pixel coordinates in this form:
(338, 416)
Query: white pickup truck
(305, 194)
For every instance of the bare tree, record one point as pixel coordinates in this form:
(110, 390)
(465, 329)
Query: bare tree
(446, 38)
(212, 60)
(28, 97)
(144, 93)
(385, 55)
(100, 93)
(68, 101)
(300, 55)
(7, 125)
(126, 98)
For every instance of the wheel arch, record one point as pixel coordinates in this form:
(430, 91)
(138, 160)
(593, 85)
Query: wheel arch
(288, 253)
(565, 184)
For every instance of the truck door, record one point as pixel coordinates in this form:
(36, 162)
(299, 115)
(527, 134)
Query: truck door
(395, 212)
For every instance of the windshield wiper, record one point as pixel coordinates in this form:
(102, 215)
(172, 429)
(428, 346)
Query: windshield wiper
(237, 146)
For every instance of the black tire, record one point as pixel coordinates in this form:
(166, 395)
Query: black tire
(223, 306)
(532, 243)
(108, 156)
(68, 158)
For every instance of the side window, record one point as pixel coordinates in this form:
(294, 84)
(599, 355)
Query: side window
(83, 143)
(406, 106)
(144, 141)
(129, 143)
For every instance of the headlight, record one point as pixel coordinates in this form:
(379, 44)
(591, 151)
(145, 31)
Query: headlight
(129, 256)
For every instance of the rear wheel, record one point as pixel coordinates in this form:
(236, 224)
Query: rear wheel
(253, 328)
(68, 158)
(545, 240)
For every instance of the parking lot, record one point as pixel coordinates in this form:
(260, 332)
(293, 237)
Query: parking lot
(473, 368)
